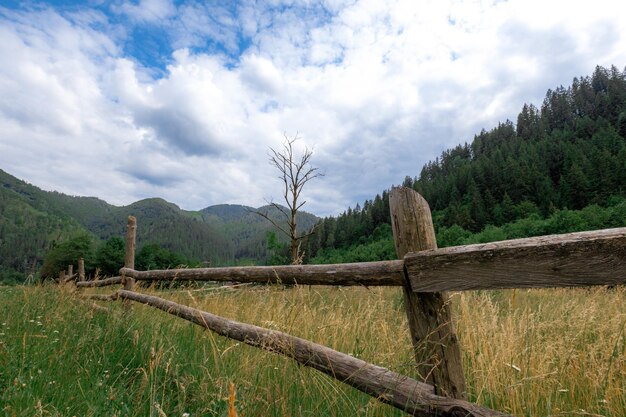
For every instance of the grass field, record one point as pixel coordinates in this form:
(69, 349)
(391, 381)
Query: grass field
(531, 353)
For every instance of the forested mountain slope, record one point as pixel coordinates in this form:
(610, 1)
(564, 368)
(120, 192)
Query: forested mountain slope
(248, 231)
(27, 228)
(568, 153)
(31, 220)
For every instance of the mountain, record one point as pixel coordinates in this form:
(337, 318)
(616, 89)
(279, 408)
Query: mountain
(566, 155)
(247, 230)
(28, 226)
(31, 220)
(226, 212)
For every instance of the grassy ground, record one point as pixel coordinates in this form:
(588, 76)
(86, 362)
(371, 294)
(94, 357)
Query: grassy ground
(531, 353)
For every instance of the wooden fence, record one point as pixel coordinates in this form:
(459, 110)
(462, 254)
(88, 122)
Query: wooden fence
(425, 273)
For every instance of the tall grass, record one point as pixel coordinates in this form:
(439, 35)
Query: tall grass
(532, 353)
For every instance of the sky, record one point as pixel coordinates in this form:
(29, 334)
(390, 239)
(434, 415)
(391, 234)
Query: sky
(125, 100)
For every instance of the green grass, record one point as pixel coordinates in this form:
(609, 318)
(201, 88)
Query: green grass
(531, 353)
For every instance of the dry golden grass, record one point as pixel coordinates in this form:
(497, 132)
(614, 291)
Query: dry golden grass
(528, 352)
(533, 353)
(546, 352)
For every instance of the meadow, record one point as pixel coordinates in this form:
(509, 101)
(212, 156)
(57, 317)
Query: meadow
(557, 352)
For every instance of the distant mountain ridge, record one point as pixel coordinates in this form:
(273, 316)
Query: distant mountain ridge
(227, 212)
(247, 230)
(32, 219)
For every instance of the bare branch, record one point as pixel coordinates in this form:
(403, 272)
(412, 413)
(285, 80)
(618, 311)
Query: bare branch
(294, 172)
(309, 233)
(300, 205)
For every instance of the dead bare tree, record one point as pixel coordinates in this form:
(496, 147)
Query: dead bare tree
(295, 171)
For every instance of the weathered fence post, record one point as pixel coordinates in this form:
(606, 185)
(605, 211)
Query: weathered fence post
(70, 271)
(129, 259)
(81, 269)
(433, 336)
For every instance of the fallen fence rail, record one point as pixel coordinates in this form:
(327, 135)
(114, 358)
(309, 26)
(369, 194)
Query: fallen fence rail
(100, 282)
(407, 394)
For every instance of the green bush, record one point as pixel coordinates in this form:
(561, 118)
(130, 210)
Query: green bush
(65, 253)
(110, 256)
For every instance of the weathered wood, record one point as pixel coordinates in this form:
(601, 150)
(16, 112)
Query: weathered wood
(400, 391)
(386, 273)
(70, 271)
(435, 343)
(100, 283)
(61, 277)
(567, 260)
(81, 269)
(129, 259)
(103, 297)
(69, 278)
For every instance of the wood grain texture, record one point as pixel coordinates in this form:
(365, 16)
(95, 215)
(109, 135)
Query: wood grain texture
(100, 283)
(433, 336)
(400, 391)
(69, 278)
(567, 260)
(81, 269)
(103, 297)
(386, 273)
(129, 256)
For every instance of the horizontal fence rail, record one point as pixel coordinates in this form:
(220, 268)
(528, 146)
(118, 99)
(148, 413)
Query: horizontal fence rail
(100, 282)
(385, 273)
(566, 260)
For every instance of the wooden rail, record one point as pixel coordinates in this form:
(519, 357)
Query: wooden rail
(100, 282)
(386, 273)
(566, 260)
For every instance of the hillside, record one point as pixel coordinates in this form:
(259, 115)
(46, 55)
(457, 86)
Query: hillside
(247, 230)
(561, 157)
(31, 220)
(27, 228)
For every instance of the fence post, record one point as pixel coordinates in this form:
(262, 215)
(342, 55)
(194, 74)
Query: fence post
(434, 340)
(81, 269)
(129, 259)
(70, 271)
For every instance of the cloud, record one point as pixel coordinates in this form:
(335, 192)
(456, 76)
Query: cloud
(376, 89)
(148, 11)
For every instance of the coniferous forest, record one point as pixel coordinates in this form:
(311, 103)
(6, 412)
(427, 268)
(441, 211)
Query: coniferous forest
(559, 167)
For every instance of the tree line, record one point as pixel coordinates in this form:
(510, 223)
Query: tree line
(107, 257)
(567, 154)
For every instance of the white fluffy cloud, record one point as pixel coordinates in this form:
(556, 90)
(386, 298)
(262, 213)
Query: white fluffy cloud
(376, 88)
